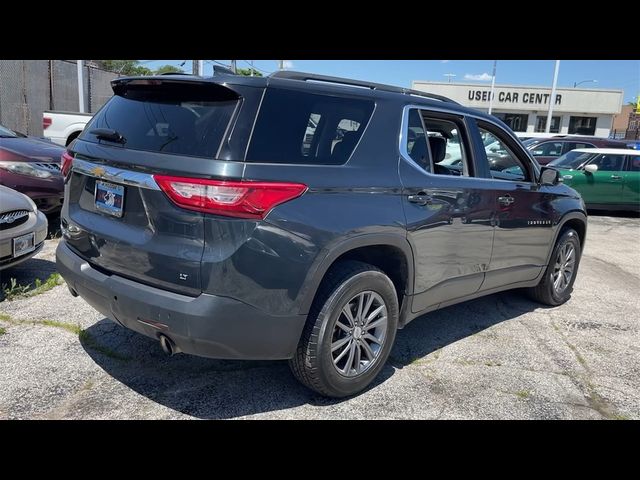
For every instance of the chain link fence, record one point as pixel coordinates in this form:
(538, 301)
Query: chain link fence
(29, 87)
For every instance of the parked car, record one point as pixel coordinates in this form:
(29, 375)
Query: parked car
(607, 178)
(545, 150)
(23, 228)
(32, 166)
(219, 233)
(63, 127)
(633, 144)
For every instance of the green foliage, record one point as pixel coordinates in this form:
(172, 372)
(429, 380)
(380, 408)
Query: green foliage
(15, 290)
(247, 72)
(2, 331)
(125, 67)
(168, 69)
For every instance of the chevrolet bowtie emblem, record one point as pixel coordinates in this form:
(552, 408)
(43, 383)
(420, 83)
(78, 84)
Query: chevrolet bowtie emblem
(98, 171)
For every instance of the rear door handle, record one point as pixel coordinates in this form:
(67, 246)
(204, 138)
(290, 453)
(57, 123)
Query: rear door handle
(616, 177)
(506, 200)
(420, 199)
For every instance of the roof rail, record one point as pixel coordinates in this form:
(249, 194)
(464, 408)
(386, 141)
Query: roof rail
(357, 83)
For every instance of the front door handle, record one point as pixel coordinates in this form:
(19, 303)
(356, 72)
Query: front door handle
(506, 200)
(419, 199)
(616, 177)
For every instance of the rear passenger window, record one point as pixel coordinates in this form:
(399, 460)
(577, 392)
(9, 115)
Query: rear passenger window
(305, 128)
(547, 149)
(633, 163)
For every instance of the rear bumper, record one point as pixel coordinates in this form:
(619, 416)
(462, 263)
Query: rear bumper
(207, 325)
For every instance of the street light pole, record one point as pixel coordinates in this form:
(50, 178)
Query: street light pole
(80, 66)
(575, 84)
(493, 84)
(553, 96)
(449, 75)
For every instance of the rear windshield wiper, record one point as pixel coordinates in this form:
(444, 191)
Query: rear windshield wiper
(108, 134)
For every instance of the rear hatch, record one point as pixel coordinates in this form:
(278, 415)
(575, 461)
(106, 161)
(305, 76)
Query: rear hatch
(115, 214)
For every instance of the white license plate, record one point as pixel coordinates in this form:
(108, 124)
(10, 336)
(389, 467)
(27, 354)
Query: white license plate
(24, 244)
(109, 198)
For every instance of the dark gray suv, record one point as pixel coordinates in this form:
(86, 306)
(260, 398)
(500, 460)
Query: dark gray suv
(302, 217)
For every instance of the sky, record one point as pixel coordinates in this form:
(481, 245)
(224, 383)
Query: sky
(615, 74)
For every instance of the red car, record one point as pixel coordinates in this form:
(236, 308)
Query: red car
(32, 166)
(546, 149)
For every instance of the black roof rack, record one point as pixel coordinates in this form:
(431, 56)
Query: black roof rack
(357, 83)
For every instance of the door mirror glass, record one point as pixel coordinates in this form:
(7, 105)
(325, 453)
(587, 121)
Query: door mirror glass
(591, 168)
(549, 176)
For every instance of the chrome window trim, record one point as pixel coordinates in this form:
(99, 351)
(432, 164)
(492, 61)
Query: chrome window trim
(115, 175)
(402, 144)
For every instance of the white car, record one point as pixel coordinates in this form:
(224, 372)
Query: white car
(63, 127)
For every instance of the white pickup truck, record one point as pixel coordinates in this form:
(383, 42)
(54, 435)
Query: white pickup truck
(63, 127)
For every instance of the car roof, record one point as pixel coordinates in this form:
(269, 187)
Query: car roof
(609, 151)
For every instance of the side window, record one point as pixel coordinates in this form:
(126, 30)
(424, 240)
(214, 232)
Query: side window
(417, 141)
(608, 163)
(446, 143)
(633, 163)
(547, 149)
(504, 164)
(309, 134)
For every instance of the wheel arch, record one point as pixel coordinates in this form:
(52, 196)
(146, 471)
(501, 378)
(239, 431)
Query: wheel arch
(576, 220)
(389, 252)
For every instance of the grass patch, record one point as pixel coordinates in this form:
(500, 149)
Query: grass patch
(619, 416)
(14, 290)
(2, 331)
(524, 394)
(491, 363)
(69, 327)
(4, 317)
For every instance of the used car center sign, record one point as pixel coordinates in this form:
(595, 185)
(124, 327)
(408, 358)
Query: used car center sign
(506, 96)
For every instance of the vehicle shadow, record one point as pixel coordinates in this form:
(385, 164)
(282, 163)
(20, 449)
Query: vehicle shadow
(219, 389)
(614, 213)
(25, 275)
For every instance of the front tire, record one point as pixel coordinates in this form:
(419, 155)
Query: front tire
(349, 332)
(557, 283)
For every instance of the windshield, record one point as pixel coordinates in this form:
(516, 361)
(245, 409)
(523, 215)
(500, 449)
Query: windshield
(5, 132)
(571, 160)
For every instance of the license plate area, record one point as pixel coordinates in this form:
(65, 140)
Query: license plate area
(109, 198)
(24, 244)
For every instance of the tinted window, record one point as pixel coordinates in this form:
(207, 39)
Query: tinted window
(503, 162)
(547, 149)
(286, 130)
(582, 125)
(174, 120)
(541, 124)
(608, 163)
(633, 164)
(417, 141)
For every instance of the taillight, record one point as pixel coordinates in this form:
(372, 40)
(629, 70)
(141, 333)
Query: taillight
(245, 199)
(46, 122)
(66, 163)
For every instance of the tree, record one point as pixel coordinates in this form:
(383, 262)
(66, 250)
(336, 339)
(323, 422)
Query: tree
(168, 69)
(247, 72)
(125, 67)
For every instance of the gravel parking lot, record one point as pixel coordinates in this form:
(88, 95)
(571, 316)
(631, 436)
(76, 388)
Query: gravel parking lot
(500, 357)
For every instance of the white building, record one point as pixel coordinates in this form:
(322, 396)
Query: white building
(584, 111)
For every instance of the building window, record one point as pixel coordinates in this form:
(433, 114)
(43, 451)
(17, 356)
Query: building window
(541, 124)
(516, 122)
(582, 125)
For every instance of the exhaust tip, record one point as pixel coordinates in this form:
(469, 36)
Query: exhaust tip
(167, 345)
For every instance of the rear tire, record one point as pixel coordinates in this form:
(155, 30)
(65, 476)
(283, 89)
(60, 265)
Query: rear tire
(557, 283)
(349, 331)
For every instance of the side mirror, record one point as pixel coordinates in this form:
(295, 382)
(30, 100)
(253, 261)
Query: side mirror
(549, 176)
(591, 168)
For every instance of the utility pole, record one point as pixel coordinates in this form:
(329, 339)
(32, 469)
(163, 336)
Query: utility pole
(493, 84)
(552, 100)
(201, 67)
(234, 68)
(251, 63)
(280, 64)
(80, 66)
(194, 67)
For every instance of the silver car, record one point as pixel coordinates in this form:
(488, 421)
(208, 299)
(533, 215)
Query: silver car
(22, 228)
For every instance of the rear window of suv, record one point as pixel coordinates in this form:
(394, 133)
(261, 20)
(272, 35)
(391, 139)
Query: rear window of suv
(167, 118)
(304, 128)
